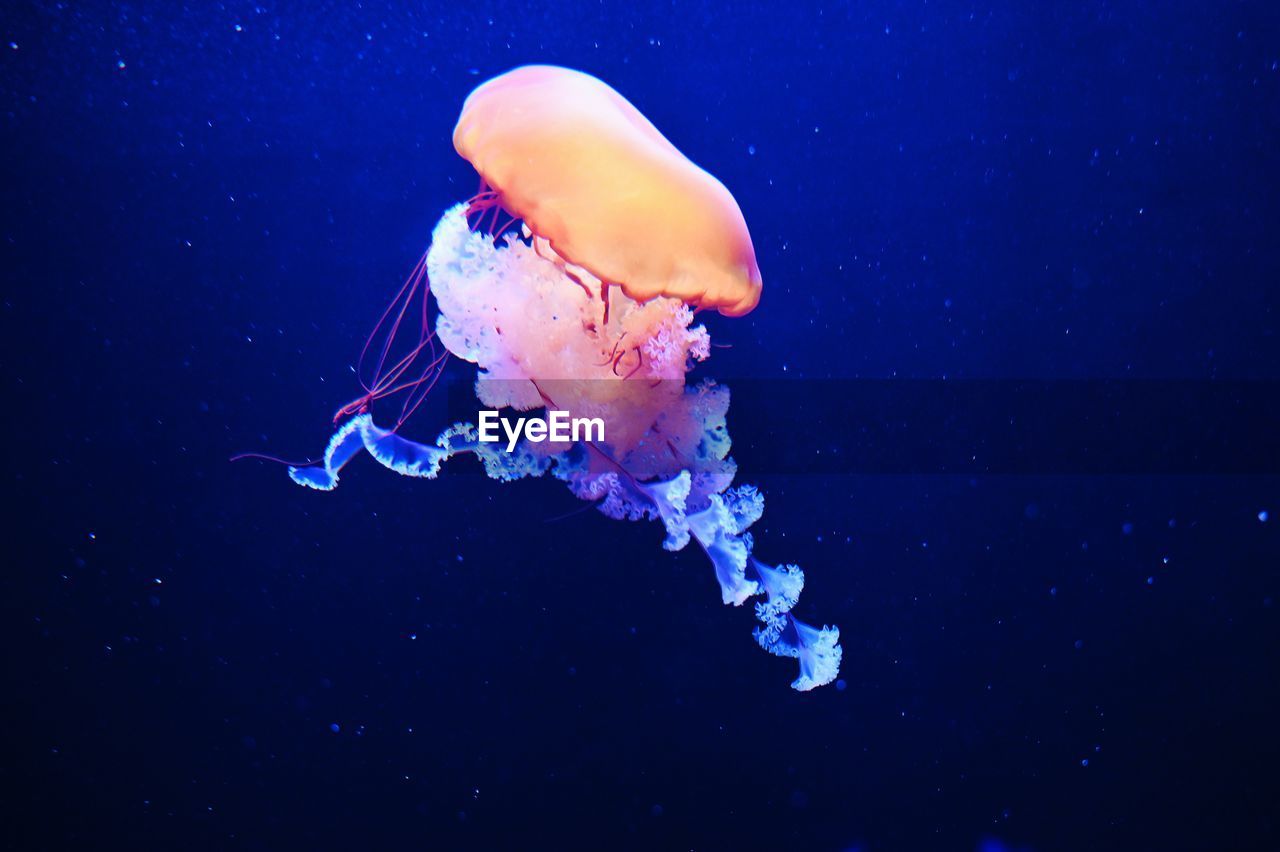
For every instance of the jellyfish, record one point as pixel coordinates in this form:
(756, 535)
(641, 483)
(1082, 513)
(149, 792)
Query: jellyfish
(571, 280)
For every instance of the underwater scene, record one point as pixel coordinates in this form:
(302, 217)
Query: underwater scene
(659, 425)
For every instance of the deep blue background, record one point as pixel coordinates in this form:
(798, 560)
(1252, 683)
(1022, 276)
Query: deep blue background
(206, 208)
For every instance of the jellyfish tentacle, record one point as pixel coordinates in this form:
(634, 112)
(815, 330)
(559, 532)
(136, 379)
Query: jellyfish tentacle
(411, 458)
(617, 361)
(669, 497)
(415, 281)
(385, 379)
(419, 395)
(639, 362)
(403, 298)
(720, 529)
(715, 530)
(344, 444)
(782, 585)
(817, 649)
(613, 354)
(494, 213)
(405, 457)
(572, 275)
(728, 556)
(487, 202)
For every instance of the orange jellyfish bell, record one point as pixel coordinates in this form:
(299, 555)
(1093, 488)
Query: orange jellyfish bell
(587, 172)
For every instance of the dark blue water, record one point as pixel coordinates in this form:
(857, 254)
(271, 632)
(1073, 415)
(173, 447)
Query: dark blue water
(205, 209)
